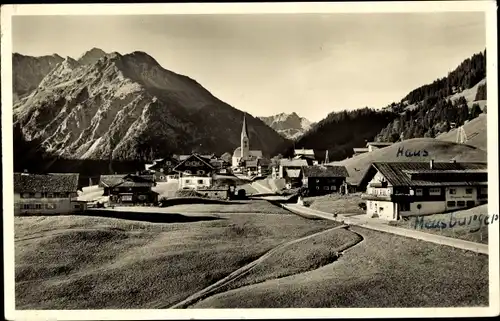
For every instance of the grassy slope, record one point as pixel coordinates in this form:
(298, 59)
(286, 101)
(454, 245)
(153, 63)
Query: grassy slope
(475, 231)
(382, 271)
(78, 262)
(440, 151)
(475, 129)
(337, 203)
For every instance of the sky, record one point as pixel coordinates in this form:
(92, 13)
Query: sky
(266, 64)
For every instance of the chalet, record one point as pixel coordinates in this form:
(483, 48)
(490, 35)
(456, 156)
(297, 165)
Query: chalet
(307, 154)
(395, 190)
(322, 180)
(53, 193)
(195, 172)
(129, 188)
(163, 170)
(286, 165)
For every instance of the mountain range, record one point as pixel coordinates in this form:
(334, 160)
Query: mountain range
(290, 126)
(125, 106)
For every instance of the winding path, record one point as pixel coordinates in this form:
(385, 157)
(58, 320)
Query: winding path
(202, 294)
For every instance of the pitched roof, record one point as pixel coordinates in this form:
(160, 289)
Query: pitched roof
(325, 171)
(293, 163)
(46, 183)
(115, 180)
(420, 173)
(201, 158)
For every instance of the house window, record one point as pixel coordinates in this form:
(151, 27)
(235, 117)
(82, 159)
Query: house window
(333, 188)
(419, 192)
(317, 181)
(471, 203)
(325, 188)
(38, 195)
(380, 209)
(50, 195)
(162, 177)
(484, 190)
(25, 195)
(450, 203)
(200, 182)
(468, 191)
(38, 206)
(188, 181)
(317, 188)
(434, 191)
(187, 171)
(26, 206)
(50, 206)
(200, 172)
(453, 191)
(404, 207)
(461, 203)
(76, 206)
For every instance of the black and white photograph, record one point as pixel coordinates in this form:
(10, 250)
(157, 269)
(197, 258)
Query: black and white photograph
(231, 160)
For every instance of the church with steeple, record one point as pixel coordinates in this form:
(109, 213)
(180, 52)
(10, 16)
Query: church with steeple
(243, 153)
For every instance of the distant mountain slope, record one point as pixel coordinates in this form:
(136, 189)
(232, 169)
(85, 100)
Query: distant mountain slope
(421, 149)
(475, 130)
(28, 71)
(340, 132)
(290, 126)
(129, 107)
(435, 108)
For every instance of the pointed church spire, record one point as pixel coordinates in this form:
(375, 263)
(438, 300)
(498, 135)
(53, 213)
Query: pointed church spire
(244, 130)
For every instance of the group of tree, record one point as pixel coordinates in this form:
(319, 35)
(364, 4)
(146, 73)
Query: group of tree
(429, 119)
(466, 75)
(340, 132)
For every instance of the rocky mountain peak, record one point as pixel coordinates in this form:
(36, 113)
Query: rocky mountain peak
(91, 56)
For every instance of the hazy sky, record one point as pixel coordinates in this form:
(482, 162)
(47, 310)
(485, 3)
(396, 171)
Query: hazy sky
(266, 64)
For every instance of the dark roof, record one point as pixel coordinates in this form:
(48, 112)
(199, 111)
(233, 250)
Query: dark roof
(400, 174)
(199, 157)
(46, 183)
(114, 180)
(325, 171)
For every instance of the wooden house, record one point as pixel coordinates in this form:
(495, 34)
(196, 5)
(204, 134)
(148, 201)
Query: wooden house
(129, 188)
(322, 180)
(53, 193)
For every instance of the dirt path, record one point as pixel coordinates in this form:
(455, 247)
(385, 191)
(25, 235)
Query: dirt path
(212, 289)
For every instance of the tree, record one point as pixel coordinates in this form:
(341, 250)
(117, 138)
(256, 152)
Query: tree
(475, 111)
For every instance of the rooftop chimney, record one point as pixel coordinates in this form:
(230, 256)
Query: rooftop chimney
(431, 164)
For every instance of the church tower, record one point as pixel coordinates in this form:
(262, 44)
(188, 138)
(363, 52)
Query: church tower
(245, 141)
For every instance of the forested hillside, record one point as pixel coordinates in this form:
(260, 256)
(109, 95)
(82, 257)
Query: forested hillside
(434, 108)
(341, 131)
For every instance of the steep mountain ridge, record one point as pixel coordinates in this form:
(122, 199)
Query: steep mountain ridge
(290, 126)
(28, 71)
(129, 107)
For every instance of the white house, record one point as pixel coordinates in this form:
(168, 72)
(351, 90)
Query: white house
(411, 188)
(195, 172)
(53, 193)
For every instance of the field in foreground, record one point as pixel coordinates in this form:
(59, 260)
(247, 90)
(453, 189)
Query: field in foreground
(80, 262)
(383, 270)
(336, 203)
